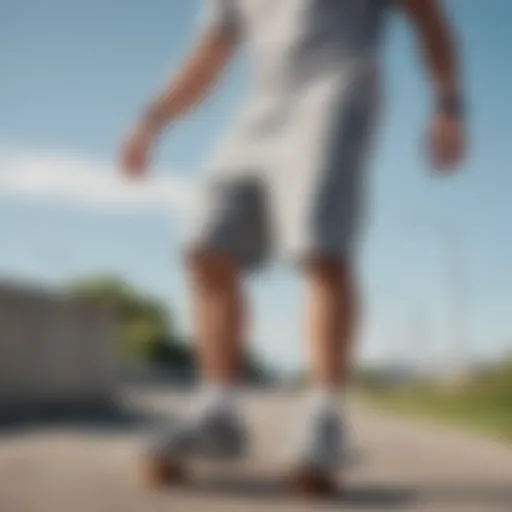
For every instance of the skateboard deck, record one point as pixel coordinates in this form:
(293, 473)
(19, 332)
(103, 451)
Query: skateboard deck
(162, 473)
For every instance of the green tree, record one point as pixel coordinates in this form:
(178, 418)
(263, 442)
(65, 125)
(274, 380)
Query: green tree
(145, 329)
(172, 352)
(142, 320)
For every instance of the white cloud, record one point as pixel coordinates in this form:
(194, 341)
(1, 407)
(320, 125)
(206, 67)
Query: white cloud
(79, 181)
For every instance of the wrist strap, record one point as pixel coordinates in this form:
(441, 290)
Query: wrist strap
(452, 104)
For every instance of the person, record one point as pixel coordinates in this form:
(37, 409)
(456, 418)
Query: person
(287, 183)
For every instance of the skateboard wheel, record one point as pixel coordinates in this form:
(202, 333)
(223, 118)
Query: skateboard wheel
(162, 472)
(313, 483)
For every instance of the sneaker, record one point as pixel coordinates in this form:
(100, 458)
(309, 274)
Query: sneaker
(321, 443)
(213, 434)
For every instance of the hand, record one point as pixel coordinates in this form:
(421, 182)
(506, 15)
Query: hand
(136, 150)
(446, 141)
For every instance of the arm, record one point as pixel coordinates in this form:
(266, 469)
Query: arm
(186, 88)
(436, 41)
(194, 80)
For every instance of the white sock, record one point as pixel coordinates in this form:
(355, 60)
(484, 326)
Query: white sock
(216, 397)
(323, 401)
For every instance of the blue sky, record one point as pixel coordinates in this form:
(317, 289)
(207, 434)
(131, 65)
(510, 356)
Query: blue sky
(74, 74)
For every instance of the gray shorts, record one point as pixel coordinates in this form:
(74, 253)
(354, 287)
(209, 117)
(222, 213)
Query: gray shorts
(256, 213)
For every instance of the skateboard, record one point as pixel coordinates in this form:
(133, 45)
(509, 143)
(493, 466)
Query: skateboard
(313, 483)
(160, 473)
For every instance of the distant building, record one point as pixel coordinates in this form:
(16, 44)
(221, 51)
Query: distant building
(54, 349)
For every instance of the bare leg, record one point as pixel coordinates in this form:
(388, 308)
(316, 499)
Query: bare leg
(214, 424)
(330, 320)
(218, 315)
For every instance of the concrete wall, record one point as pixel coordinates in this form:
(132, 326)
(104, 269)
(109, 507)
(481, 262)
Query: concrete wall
(54, 349)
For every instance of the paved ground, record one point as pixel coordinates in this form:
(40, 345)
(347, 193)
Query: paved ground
(92, 466)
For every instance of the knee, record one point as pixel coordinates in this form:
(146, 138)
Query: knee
(334, 278)
(328, 270)
(210, 268)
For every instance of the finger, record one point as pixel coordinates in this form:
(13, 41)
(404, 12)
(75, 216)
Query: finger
(456, 149)
(451, 155)
(440, 153)
(138, 165)
(436, 151)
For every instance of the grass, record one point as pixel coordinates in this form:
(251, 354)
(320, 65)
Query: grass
(483, 404)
